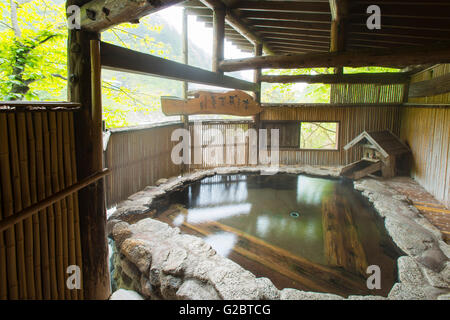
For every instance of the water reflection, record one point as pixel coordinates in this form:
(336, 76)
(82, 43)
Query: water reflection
(250, 214)
(222, 242)
(200, 215)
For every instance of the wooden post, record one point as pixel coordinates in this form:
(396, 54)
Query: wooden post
(258, 51)
(84, 87)
(218, 38)
(185, 119)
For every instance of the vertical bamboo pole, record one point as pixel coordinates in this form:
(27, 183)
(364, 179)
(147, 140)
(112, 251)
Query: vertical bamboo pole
(3, 269)
(33, 194)
(43, 223)
(26, 202)
(59, 206)
(17, 204)
(64, 204)
(7, 197)
(50, 210)
(76, 219)
(70, 205)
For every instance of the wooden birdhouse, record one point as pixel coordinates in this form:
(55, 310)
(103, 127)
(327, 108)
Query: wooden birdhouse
(381, 151)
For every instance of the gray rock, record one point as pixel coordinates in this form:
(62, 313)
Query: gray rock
(406, 291)
(233, 282)
(170, 286)
(293, 294)
(121, 231)
(438, 279)
(131, 213)
(409, 272)
(130, 270)
(147, 288)
(267, 289)
(445, 296)
(193, 289)
(138, 252)
(123, 294)
(175, 264)
(366, 298)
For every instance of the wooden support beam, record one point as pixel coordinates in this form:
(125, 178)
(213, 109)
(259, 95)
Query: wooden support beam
(339, 13)
(83, 71)
(99, 15)
(218, 38)
(388, 58)
(379, 78)
(121, 59)
(235, 21)
(430, 87)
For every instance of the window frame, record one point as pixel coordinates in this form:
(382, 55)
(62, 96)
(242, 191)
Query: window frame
(338, 132)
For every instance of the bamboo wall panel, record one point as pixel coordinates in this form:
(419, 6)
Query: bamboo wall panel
(366, 93)
(427, 131)
(352, 121)
(37, 159)
(215, 152)
(138, 158)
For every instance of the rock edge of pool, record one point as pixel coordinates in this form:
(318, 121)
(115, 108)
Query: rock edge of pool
(157, 261)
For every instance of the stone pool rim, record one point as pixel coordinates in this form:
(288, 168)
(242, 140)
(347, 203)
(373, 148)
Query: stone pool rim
(423, 272)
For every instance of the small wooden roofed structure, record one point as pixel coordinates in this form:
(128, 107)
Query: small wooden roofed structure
(382, 150)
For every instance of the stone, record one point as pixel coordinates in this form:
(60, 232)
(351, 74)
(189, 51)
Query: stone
(193, 289)
(120, 232)
(293, 294)
(444, 297)
(138, 252)
(409, 272)
(130, 269)
(267, 289)
(110, 226)
(131, 213)
(406, 291)
(366, 298)
(147, 288)
(433, 258)
(170, 286)
(232, 282)
(175, 264)
(123, 294)
(438, 279)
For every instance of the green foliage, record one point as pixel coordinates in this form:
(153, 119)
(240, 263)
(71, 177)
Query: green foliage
(294, 92)
(32, 51)
(318, 135)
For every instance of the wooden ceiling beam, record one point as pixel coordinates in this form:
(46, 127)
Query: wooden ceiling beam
(322, 26)
(289, 16)
(387, 58)
(406, 9)
(398, 32)
(289, 6)
(99, 15)
(126, 60)
(264, 31)
(379, 78)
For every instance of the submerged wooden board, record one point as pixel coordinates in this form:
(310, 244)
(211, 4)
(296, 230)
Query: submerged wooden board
(236, 102)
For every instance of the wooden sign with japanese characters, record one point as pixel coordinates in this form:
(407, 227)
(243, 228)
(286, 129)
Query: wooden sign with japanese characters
(236, 103)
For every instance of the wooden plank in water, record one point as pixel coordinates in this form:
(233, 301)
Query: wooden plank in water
(312, 276)
(342, 246)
